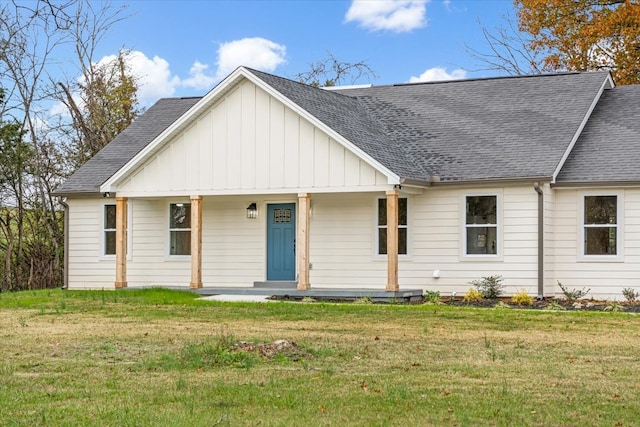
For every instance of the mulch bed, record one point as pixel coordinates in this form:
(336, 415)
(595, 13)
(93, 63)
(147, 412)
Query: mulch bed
(548, 304)
(557, 304)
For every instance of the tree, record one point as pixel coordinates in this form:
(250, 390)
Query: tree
(102, 104)
(103, 100)
(331, 72)
(584, 35)
(34, 150)
(509, 50)
(15, 156)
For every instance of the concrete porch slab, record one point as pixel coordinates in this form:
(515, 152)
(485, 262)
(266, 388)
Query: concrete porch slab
(376, 295)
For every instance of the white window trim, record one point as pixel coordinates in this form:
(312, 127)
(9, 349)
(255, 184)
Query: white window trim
(376, 239)
(619, 256)
(499, 255)
(168, 229)
(104, 256)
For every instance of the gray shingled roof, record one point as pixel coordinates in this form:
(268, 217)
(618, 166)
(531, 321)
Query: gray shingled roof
(89, 177)
(609, 147)
(498, 128)
(465, 130)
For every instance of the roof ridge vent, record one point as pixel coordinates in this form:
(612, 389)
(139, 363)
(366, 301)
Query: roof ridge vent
(364, 86)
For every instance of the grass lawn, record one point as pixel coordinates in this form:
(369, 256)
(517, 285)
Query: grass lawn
(164, 358)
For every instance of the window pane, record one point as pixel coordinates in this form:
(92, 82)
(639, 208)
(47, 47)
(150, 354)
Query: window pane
(481, 210)
(109, 242)
(600, 240)
(382, 211)
(402, 211)
(110, 216)
(482, 241)
(180, 242)
(382, 241)
(180, 215)
(402, 241)
(600, 209)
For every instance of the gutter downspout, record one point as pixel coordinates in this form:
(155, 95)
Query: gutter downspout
(65, 266)
(536, 186)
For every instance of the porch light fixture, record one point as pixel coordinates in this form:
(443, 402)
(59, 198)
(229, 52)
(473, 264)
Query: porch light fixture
(252, 211)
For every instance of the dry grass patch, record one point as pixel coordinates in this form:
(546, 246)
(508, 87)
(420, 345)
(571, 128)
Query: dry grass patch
(133, 358)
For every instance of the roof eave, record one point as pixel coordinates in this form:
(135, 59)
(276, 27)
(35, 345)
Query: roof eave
(492, 181)
(70, 193)
(604, 183)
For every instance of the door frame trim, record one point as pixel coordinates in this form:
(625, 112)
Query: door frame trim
(265, 224)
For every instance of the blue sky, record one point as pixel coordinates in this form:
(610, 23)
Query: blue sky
(182, 48)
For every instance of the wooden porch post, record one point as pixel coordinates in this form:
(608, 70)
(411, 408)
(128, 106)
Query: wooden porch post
(392, 241)
(304, 203)
(121, 242)
(196, 242)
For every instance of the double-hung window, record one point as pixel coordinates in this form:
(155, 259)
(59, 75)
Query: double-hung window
(402, 226)
(481, 225)
(600, 225)
(180, 229)
(109, 230)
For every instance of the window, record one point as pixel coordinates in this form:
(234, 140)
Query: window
(600, 222)
(180, 229)
(402, 226)
(481, 225)
(109, 230)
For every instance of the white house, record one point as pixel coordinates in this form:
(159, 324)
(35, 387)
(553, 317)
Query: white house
(422, 186)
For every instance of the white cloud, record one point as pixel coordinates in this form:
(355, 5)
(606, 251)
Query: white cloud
(400, 16)
(253, 52)
(438, 74)
(154, 77)
(198, 79)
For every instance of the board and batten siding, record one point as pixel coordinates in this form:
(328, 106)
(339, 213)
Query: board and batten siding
(605, 278)
(250, 142)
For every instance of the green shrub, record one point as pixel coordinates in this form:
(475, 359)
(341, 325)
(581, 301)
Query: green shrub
(614, 306)
(490, 287)
(554, 305)
(472, 295)
(572, 295)
(522, 298)
(630, 295)
(432, 297)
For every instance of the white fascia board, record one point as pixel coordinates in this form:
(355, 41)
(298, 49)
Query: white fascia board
(606, 84)
(110, 184)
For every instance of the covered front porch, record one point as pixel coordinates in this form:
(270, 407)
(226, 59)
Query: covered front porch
(235, 244)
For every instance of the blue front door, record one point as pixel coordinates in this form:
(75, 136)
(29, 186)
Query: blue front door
(281, 241)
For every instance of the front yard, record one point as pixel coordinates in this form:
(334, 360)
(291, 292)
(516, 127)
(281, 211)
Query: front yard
(159, 357)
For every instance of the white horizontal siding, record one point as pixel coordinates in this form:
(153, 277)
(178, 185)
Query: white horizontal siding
(343, 243)
(87, 267)
(436, 226)
(606, 279)
(250, 142)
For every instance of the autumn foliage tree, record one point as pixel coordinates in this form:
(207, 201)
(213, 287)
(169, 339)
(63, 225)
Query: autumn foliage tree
(584, 35)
